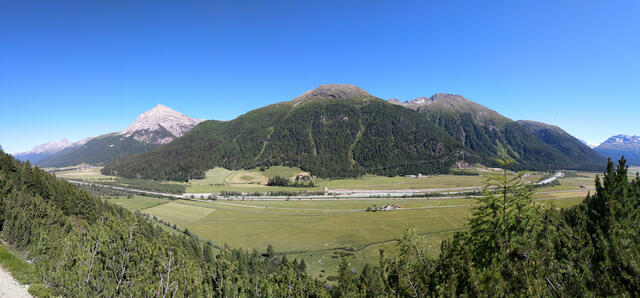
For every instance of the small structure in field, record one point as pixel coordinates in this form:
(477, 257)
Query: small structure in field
(389, 207)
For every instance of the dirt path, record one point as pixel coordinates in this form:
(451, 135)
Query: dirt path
(9, 287)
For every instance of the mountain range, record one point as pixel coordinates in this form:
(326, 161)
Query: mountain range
(151, 129)
(343, 131)
(332, 131)
(482, 131)
(619, 145)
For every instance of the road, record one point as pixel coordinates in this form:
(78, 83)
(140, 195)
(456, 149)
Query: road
(336, 195)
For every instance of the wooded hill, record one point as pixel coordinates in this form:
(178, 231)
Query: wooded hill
(343, 131)
(534, 145)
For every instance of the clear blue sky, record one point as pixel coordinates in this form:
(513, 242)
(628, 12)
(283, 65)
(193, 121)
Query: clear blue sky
(82, 68)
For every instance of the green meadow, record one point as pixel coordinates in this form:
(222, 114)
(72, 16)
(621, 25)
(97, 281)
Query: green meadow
(321, 231)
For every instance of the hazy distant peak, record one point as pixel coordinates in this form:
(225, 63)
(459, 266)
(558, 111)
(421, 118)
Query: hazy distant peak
(160, 119)
(49, 147)
(395, 101)
(623, 139)
(591, 145)
(337, 91)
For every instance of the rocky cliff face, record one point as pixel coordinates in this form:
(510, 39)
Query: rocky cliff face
(159, 125)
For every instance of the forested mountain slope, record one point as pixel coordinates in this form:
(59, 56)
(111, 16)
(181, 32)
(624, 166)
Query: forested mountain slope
(567, 144)
(84, 247)
(483, 131)
(332, 131)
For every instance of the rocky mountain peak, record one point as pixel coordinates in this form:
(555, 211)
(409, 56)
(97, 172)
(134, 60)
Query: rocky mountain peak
(160, 125)
(337, 91)
(623, 139)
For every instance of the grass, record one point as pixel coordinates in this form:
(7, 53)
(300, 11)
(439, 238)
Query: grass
(22, 271)
(138, 202)
(323, 231)
(312, 229)
(91, 174)
(182, 215)
(253, 180)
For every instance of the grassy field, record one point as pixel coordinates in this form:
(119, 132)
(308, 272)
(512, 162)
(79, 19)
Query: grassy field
(324, 231)
(89, 174)
(314, 230)
(138, 202)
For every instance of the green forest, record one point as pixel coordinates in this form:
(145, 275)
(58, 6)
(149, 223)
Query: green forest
(514, 246)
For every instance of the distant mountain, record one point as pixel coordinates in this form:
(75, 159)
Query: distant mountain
(151, 129)
(159, 125)
(46, 150)
(331, 131)
(534, 146)
(620, 145)
(591, 145)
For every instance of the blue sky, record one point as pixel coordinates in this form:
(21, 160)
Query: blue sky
(82, 68)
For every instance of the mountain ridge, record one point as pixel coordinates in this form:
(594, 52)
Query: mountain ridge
(621, 145)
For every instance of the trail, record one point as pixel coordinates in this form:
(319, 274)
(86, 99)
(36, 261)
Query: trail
(9, 287)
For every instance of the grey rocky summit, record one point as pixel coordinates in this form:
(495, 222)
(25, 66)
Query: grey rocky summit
(160, 125)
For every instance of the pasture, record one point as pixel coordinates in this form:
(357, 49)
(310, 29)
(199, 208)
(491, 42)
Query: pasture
(322, 231)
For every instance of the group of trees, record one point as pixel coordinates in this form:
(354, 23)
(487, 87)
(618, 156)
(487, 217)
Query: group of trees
(515, 246)
(284, 181)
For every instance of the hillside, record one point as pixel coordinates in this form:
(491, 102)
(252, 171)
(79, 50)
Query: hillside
(331, 131)
(567, 144)
(482, 130)
(620, 145)
(151, 129)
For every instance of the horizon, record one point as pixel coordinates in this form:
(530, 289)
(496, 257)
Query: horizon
(80, 70)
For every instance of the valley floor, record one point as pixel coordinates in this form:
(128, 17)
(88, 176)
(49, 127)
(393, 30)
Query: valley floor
(324, 229)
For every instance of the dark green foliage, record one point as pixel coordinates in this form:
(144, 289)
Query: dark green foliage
(533, 148)
(326, 136)
(84, 247)
(573, 149)
(278, 181)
